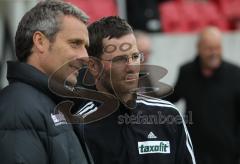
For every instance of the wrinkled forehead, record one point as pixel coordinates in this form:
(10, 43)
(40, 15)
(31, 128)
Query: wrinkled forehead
(123, 45)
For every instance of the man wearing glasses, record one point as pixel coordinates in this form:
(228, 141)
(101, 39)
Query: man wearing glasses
(142, 129)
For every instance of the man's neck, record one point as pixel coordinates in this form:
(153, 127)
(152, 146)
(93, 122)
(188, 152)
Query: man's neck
(123, 97)
(207, 72)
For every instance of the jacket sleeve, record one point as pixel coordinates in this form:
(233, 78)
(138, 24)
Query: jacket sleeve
(184, 153)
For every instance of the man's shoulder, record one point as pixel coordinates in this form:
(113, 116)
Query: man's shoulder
(23, 104)
(19, 90)
(22, 96)
(155, 105)
(231, 73)
(190, 65)
(231, 67)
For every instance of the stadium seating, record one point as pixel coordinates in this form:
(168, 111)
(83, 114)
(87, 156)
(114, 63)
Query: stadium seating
(171, 19)
(185, 16)
(96, 9)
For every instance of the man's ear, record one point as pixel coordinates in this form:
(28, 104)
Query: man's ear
(95, 67)
(40, 42)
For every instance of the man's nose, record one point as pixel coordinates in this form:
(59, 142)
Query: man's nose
(83, 55)
(132, 66)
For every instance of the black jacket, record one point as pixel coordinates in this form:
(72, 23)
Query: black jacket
(215, 106)
(151, 133)
(30, 131)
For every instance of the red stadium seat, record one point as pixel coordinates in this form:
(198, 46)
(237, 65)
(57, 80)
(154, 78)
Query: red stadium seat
(186, 16)
(83, 4)
(212, 15)
(230, 10)
(191, 16)
(96, 9)
(171, 18)
(104, 8)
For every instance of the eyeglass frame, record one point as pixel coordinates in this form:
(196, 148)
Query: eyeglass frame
(141, 55)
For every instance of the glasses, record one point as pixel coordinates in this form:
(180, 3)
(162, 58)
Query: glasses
(124, 59)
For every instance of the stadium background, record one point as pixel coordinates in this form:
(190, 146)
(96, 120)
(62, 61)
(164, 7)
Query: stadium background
(173, 26)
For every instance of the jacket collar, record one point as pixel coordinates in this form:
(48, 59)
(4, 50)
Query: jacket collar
(217, 72)
(25, 73)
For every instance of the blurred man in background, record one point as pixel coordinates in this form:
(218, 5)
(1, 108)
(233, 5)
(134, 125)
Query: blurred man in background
(211, 89)
(48, 37)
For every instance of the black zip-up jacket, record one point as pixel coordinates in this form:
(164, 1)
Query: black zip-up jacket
(151, 133)
(30, 131)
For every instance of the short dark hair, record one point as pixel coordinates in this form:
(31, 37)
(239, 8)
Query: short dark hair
(45, 17)
(107, 27)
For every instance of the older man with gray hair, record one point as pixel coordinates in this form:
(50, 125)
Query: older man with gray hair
(49, 36)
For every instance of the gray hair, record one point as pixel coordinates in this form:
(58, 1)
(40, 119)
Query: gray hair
(45, 17)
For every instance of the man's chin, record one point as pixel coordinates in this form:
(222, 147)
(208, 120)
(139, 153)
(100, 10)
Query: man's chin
(214, 66)
(127, 87)
(71, 81)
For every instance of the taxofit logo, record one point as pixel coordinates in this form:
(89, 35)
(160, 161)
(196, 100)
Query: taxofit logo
(149, 147)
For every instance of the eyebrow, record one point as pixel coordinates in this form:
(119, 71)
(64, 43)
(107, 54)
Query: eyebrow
(81, 41)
